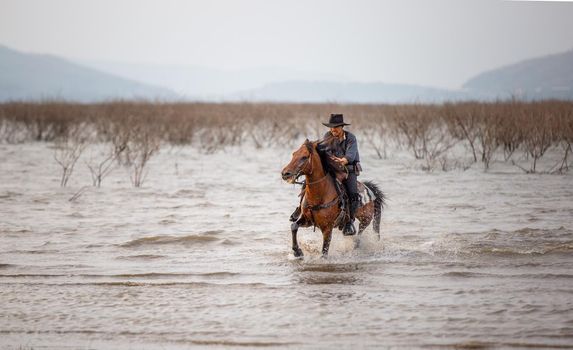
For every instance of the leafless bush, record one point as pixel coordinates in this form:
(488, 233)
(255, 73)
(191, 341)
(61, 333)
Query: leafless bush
(462, 122)
(44, 121)
(10, 131)
(142, 145)
(487, 137)
(426, 134)
(415, 125)
(269, 133)
(567, 149)
(448, 164)
(437, 145)
(565, 137)
(213, 139)
(103, 161)
(510, 133)
(539, 138)
(376, 136)
(427, 131)
(68, 149)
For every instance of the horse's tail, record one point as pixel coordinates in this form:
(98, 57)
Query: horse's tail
(379, 203)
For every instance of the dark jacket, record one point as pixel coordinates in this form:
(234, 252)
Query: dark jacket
(347, 148)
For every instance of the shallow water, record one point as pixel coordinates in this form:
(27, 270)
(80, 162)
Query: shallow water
(200, 257)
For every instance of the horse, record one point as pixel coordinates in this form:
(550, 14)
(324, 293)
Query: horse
(321, 203)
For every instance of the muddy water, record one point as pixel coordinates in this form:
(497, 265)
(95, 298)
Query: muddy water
(199, 257)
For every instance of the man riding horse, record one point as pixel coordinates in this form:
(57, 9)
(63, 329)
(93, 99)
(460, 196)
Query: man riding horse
(342, 148)
(325, 165)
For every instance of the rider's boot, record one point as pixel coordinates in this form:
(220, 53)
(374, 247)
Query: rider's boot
(349, 229)
(295, 215)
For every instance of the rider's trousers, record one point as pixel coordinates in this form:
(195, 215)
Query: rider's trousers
(352, 189)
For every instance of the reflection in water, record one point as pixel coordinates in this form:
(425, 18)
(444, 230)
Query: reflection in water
(327, 273)
(318, 278)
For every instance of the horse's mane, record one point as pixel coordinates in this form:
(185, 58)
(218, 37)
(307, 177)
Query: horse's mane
(325, 149)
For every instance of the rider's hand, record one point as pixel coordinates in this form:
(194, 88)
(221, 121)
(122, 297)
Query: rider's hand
(341, 161)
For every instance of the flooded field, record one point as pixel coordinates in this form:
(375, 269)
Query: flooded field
(199, 257)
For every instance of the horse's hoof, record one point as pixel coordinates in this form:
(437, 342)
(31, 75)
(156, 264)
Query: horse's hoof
(297, 252)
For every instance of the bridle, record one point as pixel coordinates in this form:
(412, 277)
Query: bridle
(321, 206)
(308, 163)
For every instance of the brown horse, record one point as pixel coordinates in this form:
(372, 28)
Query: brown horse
(321, 204)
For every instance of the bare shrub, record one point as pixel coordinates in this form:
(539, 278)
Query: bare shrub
(184, 133)
(487, 138)
(103, 161)
(564, 136)
(376, 134)
(142, 145)
(11, 131)
(539, 139)
(268, 133)
(510, 132)
(264, 134)
(427, 131)
(426, 134)
(415, 125)
(213, 139)
(567, 149)
(462, 121)
(68, 149)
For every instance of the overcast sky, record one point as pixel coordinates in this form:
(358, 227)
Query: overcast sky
(437, 43)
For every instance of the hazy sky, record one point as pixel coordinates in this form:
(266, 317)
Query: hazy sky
(438, 43)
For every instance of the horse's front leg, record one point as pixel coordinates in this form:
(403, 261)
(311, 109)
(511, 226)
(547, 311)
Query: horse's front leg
(326, 236)
(294, 230)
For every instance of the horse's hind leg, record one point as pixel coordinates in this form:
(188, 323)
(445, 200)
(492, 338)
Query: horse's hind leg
(294, 230)
(365, 219)
(361, 227)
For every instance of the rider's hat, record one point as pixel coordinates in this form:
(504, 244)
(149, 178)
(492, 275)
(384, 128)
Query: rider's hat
(335, 120)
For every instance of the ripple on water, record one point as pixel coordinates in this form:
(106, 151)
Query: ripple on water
(522, 242)
(10, 195)
(141, 257)
(203, 238)
(187, 193)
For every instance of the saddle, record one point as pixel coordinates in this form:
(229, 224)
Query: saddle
(327, 148)
(343, 204)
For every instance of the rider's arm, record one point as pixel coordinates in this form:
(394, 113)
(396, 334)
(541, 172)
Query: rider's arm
(351, 148)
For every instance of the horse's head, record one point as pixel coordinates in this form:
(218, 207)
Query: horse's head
(301, 162)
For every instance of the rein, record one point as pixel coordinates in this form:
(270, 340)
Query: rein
(323, 205)
(310, 183)
(317, 181)
(309, 162)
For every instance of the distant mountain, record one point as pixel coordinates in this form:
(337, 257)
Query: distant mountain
(32, 77)
(539, 78)
(323, 91)
(548, 77)
(271, 84)
(204, 83)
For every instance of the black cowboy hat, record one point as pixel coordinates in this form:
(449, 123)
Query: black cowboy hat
(335, 120)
